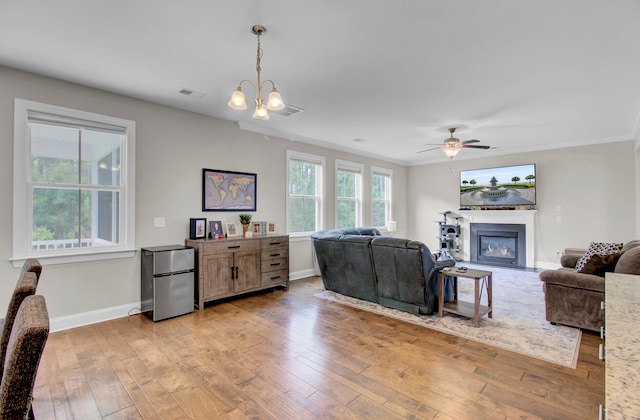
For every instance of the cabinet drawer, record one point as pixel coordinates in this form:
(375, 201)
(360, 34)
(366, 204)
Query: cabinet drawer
(275, 243)
(275, 253)
(275, 277)
(225, 245)
(275, 264)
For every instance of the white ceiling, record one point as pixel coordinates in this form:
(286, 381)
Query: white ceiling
(520, 75)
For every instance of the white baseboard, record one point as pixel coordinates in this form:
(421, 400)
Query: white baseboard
(547, 265)
(93, 317)
(302, 274)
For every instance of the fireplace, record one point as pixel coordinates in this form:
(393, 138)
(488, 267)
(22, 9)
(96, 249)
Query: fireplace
(498, 244)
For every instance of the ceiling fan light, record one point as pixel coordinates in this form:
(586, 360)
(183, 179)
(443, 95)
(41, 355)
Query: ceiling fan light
(238, 100)
(261, 113)
(275, 101)
(451, 149)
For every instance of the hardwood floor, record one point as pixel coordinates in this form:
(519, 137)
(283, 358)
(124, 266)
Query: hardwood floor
(288, 355)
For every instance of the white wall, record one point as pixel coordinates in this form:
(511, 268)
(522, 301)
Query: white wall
(594, 186)
(172, 148)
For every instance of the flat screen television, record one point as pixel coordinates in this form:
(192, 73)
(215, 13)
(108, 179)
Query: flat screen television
(506, 186)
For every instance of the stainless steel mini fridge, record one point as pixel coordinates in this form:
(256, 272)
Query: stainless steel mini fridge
(167, 284)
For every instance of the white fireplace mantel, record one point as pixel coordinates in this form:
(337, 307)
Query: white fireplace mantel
(512, 217)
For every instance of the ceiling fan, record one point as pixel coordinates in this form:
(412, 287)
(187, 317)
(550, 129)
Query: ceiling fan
(452, 145)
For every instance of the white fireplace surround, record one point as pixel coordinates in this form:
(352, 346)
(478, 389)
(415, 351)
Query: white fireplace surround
(511, 217)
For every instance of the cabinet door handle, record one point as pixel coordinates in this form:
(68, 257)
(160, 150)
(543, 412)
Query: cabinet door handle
(275, 264)
(274, 243)
(275, 255)
(237, 273)
(232, 276)
(233, 247)
(275, 278)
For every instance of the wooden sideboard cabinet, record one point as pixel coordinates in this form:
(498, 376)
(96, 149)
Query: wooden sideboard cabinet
(229, 267)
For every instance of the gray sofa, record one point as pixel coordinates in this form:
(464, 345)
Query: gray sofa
(573, 298)
(397, 273)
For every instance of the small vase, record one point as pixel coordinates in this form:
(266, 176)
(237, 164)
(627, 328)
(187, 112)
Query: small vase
(245, 227)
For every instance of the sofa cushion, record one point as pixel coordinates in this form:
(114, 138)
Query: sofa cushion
(599, 264)
(629, 262)
(601, 248)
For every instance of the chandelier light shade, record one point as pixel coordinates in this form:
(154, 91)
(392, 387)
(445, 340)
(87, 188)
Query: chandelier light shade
(274, 101)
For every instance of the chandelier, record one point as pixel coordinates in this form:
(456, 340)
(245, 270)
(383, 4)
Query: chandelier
(274, 102)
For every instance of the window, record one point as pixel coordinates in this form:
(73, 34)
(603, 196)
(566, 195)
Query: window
(380, 196)
(73, 184)
(348, 194)
(305, 192)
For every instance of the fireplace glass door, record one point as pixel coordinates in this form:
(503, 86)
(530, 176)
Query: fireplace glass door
(502, 246)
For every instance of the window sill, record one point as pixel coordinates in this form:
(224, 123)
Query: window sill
(52, 259)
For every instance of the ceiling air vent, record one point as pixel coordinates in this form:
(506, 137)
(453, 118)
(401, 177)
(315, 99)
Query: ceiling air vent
(288, 110)
(192, 93)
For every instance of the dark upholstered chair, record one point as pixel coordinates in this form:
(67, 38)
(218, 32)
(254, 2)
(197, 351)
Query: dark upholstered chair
(32, 265)
(573, 298)
(26, 344)
(26, 286)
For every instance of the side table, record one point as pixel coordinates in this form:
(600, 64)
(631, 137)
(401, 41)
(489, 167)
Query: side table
(481, 279)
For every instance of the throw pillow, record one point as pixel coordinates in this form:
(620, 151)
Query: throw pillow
(599, 264)
(601, 248)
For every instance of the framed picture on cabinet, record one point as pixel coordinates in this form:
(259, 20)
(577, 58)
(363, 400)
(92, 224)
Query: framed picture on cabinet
(231, 230)
(197, 228)
(215, 229)
(256, 228)
(271, 228)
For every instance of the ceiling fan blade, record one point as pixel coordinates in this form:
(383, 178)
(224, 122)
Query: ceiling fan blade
(428, 150)
(467, 146)
(471, 141)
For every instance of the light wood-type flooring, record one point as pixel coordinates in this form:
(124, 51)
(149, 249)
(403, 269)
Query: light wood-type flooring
(289, 355)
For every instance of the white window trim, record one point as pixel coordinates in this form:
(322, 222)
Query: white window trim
(375, 170)
(22, 213)
(320, 193)
(357, 168)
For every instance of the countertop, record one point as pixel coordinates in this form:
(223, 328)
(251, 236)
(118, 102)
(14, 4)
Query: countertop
(622, 346)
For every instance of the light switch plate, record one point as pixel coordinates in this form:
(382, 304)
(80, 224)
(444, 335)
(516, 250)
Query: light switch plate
(159, 222)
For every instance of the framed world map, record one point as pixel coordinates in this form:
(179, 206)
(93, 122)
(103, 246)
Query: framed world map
(228, 190)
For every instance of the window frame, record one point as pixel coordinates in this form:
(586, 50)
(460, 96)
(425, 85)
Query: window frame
(320, 163)
(355, 168)
(388, 200)
(22, 185)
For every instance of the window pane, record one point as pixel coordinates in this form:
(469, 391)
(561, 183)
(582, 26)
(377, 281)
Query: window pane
(107, 218)
(302, 178)
(100, 157)
(55, 218)
(379, 187)
(346, 213)
(302, 214)
(346, 185)
(379, 214)
(54, 154)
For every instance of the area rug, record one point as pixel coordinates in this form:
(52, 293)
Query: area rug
(518, 322)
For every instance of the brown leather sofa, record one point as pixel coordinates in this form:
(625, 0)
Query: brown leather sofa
(573, 298)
